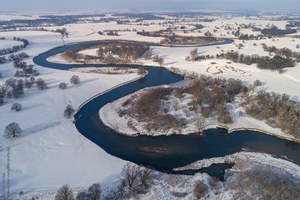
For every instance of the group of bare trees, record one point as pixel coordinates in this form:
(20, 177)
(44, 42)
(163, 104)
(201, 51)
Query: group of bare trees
(66, 193)
(24, 70)
(159, 60)
(134, 180)
(264, 62)
(112, 53)
(13, 57)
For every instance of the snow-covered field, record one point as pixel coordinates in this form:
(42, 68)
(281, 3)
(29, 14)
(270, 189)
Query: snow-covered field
(51, 152)
(8, 43)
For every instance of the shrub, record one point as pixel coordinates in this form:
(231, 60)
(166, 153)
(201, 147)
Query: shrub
(94, 191)
(63, 86)
(75, 80)
(64, 193)
(16, 107)
(41, 85)
(12, 130)
(69, 111)
(82, 196)
(200, 190)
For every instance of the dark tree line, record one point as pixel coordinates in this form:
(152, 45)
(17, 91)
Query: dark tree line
(264, 62)
(274, 31)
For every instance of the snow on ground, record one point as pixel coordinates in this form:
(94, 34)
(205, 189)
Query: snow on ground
(287, 82)
(245, 158)
(90, 52)
(51, 152)
(8, 17)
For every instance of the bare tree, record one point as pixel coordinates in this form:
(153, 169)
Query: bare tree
(63, 86)
(200, 122)
(148, 54)
(12, 130)
(41, 85)
(194, 54)
(141, 71)
(136, 178)
(16, 107)
(64, 193)
(200, 190)
(69, 111)
(75, 80)
(161, 61)
(94, 191)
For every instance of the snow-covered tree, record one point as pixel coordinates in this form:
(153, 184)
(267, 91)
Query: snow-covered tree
(94, 191)
(63, 86)
(75, 80)
(12, 130)
(83, 195)
(41, 85)
(69, 111)
(16, 107)
(64, 193)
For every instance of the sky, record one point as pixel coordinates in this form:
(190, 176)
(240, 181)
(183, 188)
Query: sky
(282, 5)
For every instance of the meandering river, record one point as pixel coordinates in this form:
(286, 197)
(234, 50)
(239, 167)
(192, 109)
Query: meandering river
(163, 152)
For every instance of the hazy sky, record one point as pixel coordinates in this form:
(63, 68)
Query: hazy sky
(9, 5)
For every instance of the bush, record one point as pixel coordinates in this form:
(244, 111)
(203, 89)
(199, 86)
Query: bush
(16, 107)
(69, 111)
(141, 71)
(82, 196)
(63, 86)
(75, 80)
(13, 130)
(41, 85)
(94, 191)
(257, 83)
(200, 190)
(64, 193)
(136, 178)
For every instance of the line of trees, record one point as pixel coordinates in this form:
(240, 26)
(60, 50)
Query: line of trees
(274, 31)
(263, 62)
(283, 52)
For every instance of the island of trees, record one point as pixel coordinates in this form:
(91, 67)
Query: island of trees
(210, 97)
(110, 53)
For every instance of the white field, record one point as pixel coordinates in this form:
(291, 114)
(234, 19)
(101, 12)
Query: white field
(8, 43)
(52, 152)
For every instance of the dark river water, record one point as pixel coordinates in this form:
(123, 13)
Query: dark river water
(165, 152)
